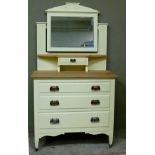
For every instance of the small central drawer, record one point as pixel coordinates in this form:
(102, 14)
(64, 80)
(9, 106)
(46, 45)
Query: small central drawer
(52, 87)
(74, 101)
(72, 61)
(73, 119)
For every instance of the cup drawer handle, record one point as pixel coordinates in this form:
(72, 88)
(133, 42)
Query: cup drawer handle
(54, 88)
(54, 103)
(72, 60)
(95, 119)
(95, 102)
(54, 121)
(95, 88)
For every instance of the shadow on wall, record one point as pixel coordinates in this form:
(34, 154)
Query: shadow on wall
(120, 105)
(30, 106)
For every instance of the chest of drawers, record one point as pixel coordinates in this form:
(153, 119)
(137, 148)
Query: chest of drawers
(73, 91)
(73, 105)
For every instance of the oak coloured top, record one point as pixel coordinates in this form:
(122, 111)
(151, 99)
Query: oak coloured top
(73, 74)
(90, 55)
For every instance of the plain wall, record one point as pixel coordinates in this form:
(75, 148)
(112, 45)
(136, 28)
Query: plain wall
(112, 12)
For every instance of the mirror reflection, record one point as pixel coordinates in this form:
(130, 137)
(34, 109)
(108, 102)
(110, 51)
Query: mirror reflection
(72, 32)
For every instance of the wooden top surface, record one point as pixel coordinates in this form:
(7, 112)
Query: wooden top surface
(73, 74)
(91, 55)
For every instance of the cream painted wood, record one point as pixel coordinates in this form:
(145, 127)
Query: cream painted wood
(36, 121)
(74, 87)
(77, 105)
(41, 37)
(86, 68)
(72, 61)
(72, 7)
(50, 63)
(56, 131)
(58, 68)
(112, 106)
(100, 63)
(102, 38)
(97, 64)
(71, 49)
(44, 63)
(81, 80)
(73, 101)
(74, 119)
(68, 61)
(73, 110)
(71, 10)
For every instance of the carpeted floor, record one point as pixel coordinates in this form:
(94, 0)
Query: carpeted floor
(78, 144)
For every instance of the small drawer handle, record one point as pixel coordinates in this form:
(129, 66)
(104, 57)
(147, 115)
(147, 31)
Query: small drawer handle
(54, 121)
(95, 119)
(95, 102)
(73, 60)
(95, 88)
(54, 88)
(54, 103)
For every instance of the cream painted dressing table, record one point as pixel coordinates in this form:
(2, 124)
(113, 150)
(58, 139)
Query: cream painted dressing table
(73, 91)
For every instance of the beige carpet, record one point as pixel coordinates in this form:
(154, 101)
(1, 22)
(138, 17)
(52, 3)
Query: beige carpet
(78, 144)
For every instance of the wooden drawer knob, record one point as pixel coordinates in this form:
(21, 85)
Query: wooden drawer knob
(95, 88)
(54, 121)
(54, 88)
(95, 119)
(95, 102)
(54, 103)
(72, 60)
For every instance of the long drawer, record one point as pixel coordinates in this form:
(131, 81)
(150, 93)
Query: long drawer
(64, 102)
(74, 87)
(73, 119)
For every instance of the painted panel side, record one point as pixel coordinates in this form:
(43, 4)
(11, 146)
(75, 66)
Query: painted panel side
(47, 63)
(41, 38)
(102, 38)
(97, 64)
(36, 123)
(112, 107)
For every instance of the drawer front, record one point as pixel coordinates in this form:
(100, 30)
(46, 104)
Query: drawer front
(73, 119)
(72, 61)
(63, 102)
(74, 87)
